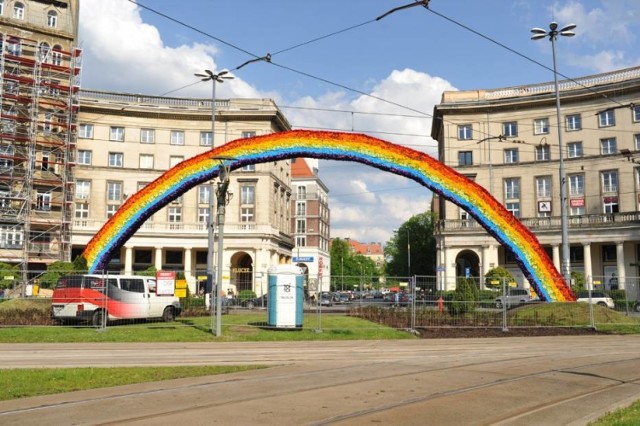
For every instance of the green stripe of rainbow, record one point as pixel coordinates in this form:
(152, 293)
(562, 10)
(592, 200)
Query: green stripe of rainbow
(509, 231)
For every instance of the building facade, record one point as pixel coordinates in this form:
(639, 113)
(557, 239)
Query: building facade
(126, 141)
(311, 225)
(507, 141)
(40, 80)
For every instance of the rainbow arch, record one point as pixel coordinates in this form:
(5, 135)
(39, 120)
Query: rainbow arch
(415, 165)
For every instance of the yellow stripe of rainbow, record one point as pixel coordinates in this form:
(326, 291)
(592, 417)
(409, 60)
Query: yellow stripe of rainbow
(422, 168)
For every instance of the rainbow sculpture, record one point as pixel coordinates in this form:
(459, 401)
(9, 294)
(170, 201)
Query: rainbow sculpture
(422, 168)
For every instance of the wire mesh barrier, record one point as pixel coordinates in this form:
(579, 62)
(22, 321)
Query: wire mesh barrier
(413, 304)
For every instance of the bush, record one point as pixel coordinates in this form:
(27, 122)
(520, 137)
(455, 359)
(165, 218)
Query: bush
(464, 297)
(246, 295)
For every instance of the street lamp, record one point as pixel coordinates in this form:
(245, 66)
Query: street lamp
(539, 33)
(214, 78)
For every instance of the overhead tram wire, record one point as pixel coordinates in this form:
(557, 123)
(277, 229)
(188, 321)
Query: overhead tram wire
(466, 27)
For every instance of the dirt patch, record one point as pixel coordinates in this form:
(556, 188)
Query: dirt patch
(460, 332)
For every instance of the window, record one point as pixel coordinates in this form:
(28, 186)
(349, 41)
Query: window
(84, 157)
(301, 241)
(514, 208)
(174, 214)
(1, 7)
(11, 236)
(636, 141)
(43, 201)
(206, 139)
(116, 159)
(246, 214)
(56, 55)
(203, 215)
(608, 146)
(610, 205)
(465, 132)
(541, 126)
(301, 193)
(112, 209)
(116, 134)
(249, 168)
(543, 152)
(174, 160)
(177, 137)
(574, 122)
(204, 191)
(114, 191)
(576, 185)
(14, 47)
(465, 158)
(574, 149)
(146, 161)
(636, 113)
(147, 136)
(83, 189)
(247, 194)
(301, 208)
(543, 186)
(609, 181)
(82, 211)
(577, 211)
(510, 128)
(607, 118)
(18, 10)
(248, 134)
(52, 19)
(511, 155)
(301, 226)
(85, 131)
(512, 188)
(43, 52)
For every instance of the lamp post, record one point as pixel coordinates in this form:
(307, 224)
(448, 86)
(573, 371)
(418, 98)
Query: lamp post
(408, 254)
(539, 33)
(214, 78)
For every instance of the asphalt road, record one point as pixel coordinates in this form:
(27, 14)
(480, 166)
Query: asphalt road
(524, 381)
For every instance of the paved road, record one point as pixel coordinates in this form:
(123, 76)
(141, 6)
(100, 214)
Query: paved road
(523, 381)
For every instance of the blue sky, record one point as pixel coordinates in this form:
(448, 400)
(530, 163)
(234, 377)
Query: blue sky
(407, 58)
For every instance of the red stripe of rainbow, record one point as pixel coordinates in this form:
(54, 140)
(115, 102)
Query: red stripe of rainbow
(422, 168)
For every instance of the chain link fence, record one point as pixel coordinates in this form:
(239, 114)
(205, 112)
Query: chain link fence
(407, 303)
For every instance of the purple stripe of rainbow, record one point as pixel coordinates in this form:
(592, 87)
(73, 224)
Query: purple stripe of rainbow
(383, 155)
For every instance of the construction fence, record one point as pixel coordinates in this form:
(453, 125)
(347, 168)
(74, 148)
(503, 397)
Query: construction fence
(407, 303)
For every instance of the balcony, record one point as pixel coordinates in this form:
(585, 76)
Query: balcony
(538, 224)
(159, 229)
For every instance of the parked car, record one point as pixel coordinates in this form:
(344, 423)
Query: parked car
(514, 297)
(597, 298)
(326, 299)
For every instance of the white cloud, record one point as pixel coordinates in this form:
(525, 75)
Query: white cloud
(135, 50)
(604, 61)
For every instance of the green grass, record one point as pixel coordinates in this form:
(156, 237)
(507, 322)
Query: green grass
(235, 328)
(629, 416)
(21, 383)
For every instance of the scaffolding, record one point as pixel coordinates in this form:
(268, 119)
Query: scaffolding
(38, 126)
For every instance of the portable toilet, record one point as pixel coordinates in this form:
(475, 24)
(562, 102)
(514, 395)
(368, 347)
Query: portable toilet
(286, 296)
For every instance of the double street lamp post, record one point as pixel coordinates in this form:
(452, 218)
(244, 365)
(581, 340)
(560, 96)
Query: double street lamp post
(539, 33)
(222, 188)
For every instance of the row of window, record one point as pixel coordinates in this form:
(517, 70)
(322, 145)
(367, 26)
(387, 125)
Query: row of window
(608, 185)
(573, 122)
(148, 136)
(19, 13)
(608, 146)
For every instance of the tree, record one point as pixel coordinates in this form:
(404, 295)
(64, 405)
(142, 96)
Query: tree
(497, 274)
(350, 270)
(7, 270)
(54, 271)
(414, 237)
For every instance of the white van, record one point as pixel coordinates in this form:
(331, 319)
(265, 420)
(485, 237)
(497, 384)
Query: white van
(89, 297)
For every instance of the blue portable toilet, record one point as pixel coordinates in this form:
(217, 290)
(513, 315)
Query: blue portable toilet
(286, 296)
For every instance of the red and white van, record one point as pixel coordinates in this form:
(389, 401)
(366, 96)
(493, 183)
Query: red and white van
(88, 298)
